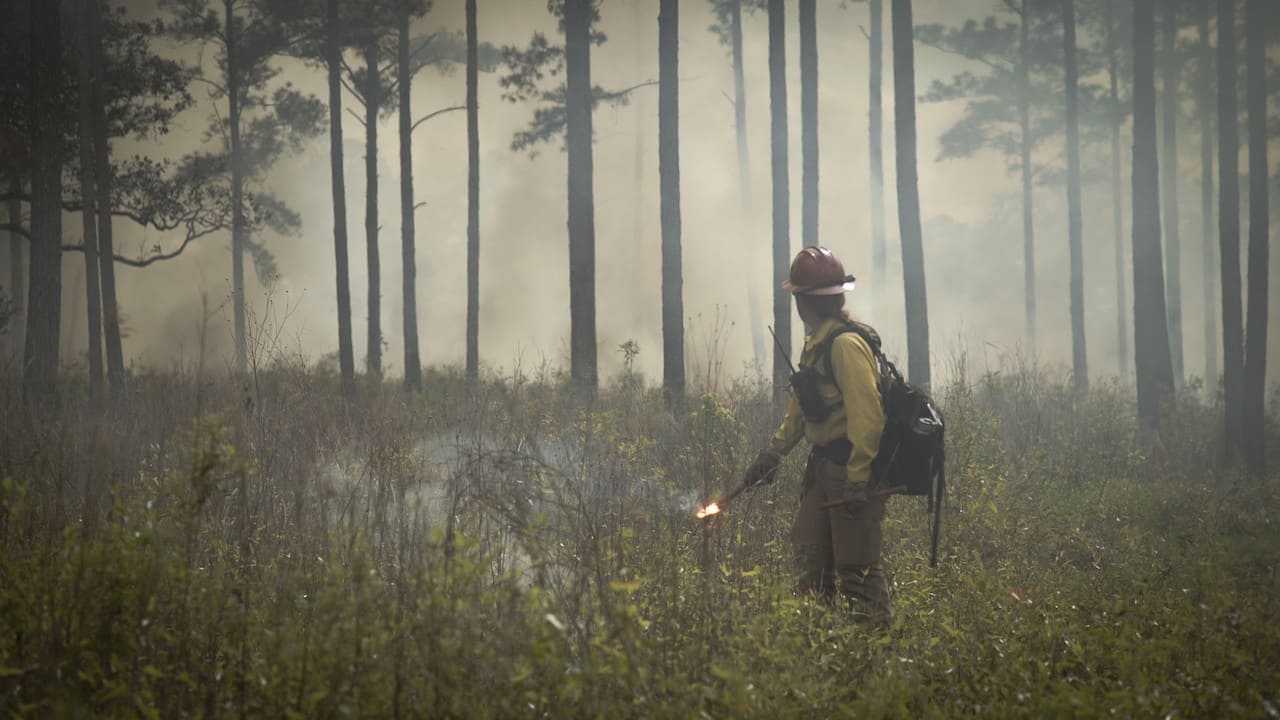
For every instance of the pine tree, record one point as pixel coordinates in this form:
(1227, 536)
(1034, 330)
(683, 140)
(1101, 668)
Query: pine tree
(1116, 120)
(879, 251)
(673, 380)
(1170, 72)
(781, 194)
(262, 121)
(578, 15)
(1253, 407)
(728, 28)
(1075, 220)
(1205, 107)
(809, 122)
(1151, 331)
(89, 199)
(1025, 144)
(565, 110)
(473, 198)
(333, 63)
(913, 275)
(44, 300)
(1229, 229)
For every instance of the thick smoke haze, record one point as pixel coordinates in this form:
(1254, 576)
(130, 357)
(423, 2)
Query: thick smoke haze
(970, 211)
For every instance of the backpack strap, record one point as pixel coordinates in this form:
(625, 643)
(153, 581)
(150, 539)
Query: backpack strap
(887, 370)
(873, 342)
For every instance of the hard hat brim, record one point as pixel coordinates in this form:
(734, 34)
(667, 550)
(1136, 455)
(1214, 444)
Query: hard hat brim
(844, 287)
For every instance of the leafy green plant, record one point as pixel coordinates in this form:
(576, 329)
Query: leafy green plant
(271, 551)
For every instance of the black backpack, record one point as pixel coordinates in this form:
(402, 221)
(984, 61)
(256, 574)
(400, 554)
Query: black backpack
(912, 456)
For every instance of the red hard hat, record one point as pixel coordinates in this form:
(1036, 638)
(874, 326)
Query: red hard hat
(815, 271)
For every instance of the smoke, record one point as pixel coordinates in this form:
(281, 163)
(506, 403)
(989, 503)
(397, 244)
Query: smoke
(970, 210)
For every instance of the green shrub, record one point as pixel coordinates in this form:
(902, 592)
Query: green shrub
(261, 549)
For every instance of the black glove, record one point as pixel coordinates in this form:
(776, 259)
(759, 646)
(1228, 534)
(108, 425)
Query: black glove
(764, 470)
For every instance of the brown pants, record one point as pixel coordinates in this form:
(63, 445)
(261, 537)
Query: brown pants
(838, 549)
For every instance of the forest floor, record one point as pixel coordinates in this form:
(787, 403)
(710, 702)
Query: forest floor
(256, 547)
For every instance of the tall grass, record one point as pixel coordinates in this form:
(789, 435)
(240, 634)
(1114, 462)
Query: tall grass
(255, 547)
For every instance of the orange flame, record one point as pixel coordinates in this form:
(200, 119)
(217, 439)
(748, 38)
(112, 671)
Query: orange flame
(709, 510)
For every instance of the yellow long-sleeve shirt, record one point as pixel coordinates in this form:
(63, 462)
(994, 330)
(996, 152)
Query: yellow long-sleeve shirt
(856, 410)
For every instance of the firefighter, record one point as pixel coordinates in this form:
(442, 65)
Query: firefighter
(836, 535)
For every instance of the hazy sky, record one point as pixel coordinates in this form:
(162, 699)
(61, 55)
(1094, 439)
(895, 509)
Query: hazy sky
(970, 209)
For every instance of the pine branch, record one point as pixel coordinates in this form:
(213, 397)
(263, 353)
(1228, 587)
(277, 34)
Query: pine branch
(430, 115)
(16, 229)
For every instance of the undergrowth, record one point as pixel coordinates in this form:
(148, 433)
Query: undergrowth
(259, 548)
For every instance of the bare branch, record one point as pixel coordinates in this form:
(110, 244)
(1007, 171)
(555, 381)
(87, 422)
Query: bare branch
(222, 126)
(627, 91)
(124, 213)
(210, 83)
(351, 89)
(417, 49)
(966, 56)
(75, 207)
(356, 115)
(143, 262)
(16, 229)
(430, 115)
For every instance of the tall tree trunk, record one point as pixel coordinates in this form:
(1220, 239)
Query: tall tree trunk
(781, 193)
(372, 106)
(408, 261)
(408, 251)
(44, 300)
(1024, 134)
(879, 252)
(102, 175)
(238, 230)
(673, 382)
(1229, 229)
(904, 101)
(1151, 331)
(641, 18)
(473, 199)
(1255, 368)
(14, 336)
(809, 121)
(1169, 168)
(744, 181)
(17, 274)
(89, 196)
(582, 240)
(1205, 98)
(1075, 221)
(333, 61)
(1117, 197)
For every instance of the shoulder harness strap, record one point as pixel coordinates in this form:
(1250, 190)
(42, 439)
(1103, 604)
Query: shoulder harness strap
(887, 370)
